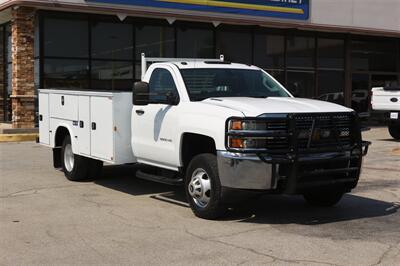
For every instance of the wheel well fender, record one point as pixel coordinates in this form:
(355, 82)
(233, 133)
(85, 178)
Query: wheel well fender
(60, 135)
(193, 144)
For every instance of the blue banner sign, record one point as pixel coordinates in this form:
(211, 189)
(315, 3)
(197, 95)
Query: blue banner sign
(288, 9)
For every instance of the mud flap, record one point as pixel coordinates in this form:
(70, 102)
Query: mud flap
(57, 157)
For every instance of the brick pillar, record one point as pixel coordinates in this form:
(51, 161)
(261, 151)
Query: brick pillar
(23, 88)
(2, 68)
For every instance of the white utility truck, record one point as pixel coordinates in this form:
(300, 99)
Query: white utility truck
(387, 99)
(221, 129)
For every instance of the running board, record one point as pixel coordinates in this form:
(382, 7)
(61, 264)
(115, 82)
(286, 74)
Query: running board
(160, 179)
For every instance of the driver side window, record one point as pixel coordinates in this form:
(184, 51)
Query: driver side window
(161, 86)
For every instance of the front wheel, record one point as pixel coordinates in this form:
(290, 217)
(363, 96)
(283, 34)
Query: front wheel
(394, 131)
(203, 187)
(324, 198)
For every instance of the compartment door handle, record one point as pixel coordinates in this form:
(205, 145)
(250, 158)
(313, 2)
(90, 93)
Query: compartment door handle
(93, 126)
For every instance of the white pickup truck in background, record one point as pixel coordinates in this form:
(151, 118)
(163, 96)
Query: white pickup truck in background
(221, 129)
(388, 99)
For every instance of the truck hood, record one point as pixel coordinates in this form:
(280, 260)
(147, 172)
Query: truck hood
(257, 106)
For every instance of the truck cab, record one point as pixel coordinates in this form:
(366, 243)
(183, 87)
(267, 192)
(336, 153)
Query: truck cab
(224, 129)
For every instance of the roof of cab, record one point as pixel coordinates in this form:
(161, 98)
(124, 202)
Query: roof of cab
(209, 64)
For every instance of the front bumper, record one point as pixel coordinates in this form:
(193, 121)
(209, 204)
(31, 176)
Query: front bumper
(291, 173)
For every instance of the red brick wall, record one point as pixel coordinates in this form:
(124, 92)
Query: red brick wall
(23, 88)
(2, 87)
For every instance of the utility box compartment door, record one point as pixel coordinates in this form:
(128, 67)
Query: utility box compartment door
(44, 123)
(102, 132)
(84, 125)
(64, 106)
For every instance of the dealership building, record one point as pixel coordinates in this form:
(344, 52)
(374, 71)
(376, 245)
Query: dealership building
(333, 50)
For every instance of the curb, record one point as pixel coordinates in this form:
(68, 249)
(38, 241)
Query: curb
(18, 137)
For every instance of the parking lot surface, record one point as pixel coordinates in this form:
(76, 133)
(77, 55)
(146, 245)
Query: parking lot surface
(119, 219)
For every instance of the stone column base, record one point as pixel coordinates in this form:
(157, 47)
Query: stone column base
(23, 112)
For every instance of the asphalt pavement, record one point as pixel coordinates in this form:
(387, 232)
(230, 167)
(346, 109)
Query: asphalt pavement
(119, 219)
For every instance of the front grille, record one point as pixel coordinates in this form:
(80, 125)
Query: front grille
(323, 131)
(312, 131)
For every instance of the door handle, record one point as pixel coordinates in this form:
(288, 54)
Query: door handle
(140, 112)
(81, 124)
(62, 100)
(40, 117)
(93, 126)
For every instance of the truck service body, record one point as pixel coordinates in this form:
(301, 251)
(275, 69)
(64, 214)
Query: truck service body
(217, 127)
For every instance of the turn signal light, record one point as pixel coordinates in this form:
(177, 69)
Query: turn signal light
(236, 143)
(236, 125)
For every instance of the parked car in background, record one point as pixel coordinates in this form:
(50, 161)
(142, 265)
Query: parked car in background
(333, 97)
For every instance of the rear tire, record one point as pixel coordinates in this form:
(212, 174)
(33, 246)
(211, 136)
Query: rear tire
(75, 167)
(394, 131)
(324, 198)
(95, 167)
(203, 187)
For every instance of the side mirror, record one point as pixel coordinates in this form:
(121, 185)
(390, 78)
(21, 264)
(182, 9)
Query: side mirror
(140, 95)
(172, 98)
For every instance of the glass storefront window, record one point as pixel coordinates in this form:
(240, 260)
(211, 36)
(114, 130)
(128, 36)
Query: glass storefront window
(155, 41)
(112, 75)
(65, 37)
(269, 51)
(113, 57)
(383, 80)
(331, 86)
(330, 53)
(195, 42)
(8, 43)
(374, 55)
(300, 51)
(236, 46)
(65, 74)
(278, 75)
(300, 84)
(112, 41)
(360, 92)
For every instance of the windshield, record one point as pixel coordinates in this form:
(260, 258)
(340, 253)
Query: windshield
(203, 83)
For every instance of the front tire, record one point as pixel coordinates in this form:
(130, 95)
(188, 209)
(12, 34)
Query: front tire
(75, 167)
(324, 198)
(203, 187)
(394, 131)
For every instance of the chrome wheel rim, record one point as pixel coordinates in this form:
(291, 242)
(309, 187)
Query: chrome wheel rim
(200, 188)
(68, 158)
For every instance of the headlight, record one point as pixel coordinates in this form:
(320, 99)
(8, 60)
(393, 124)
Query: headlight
(237, 124)
(242, 134)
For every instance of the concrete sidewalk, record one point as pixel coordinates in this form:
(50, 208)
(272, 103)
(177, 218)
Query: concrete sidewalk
(9, 134)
